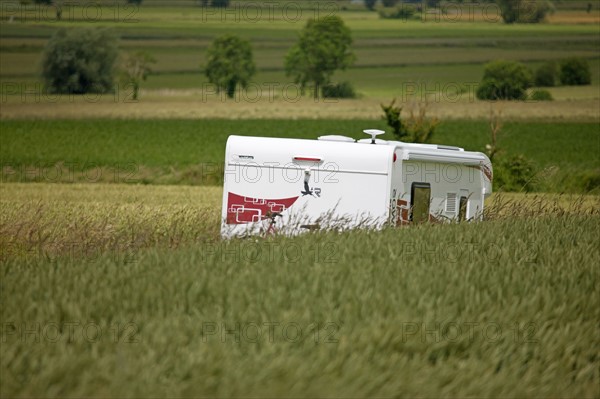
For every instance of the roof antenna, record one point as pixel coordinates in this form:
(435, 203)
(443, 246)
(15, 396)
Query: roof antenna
(373, 133)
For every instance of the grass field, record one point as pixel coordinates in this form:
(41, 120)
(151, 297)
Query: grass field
(126, 218)
(191, 152)
(389, 52)
(392, 313)
(195, 105)
(104, 218)
(114, 281)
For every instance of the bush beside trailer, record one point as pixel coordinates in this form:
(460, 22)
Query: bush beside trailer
(276, 185)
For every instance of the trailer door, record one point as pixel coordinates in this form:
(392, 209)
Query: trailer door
(463, 204)
(420, 200)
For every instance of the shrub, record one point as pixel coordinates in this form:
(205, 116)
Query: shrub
(546, 75)
(402, 12)
(389, 3)
(220, 3)
(590, 181)
(79, 61)
(421, 128)
(370, 4)
(417, 128)
(573, 180)
(391, 114)
(575, 72)
(339, 90)
(515, 173)
(541, 95)
(534, 11)
(214, 3)
(523, 11)
(504, 80)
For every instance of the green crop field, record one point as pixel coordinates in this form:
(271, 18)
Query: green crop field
(191, 152)
(114, 281)
(452, 48)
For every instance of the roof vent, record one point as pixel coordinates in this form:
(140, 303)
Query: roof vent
(449, 147)
(333, 137)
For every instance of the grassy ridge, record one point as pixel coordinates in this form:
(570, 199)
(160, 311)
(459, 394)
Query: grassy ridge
(180, 151)
(394, 313)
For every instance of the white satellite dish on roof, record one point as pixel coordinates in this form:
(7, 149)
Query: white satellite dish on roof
(373, 133)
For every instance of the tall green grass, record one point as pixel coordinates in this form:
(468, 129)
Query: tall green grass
(50, 221)
(505, 308)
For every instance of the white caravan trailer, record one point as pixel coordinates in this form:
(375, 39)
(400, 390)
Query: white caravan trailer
(275, 185)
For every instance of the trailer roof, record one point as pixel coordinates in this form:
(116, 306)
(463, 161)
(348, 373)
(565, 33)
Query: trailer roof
(301, 153)
(344, 155)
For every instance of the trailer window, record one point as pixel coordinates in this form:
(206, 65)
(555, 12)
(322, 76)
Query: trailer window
(420, 201)
(462, 209)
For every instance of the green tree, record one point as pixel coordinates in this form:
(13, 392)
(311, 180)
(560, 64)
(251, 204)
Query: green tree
(523, 11)
(575, 71)
(370, 4)
(509, 9)
(136, 68)
(324, 47)
(390, 3)
(80, 60)
(546, 74)
(230, 63)
(504, 80)
(214, 3)
(219, 3)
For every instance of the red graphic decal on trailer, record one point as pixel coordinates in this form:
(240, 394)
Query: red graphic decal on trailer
(487, 171)
(402, 209)
(241, 210)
